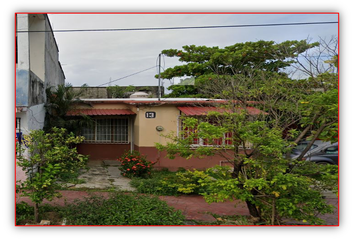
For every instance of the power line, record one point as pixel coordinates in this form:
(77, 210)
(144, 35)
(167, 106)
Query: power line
(182, 28)
(127, 76)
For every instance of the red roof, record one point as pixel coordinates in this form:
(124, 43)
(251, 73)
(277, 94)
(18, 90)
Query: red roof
(100, 112)
(198, 111)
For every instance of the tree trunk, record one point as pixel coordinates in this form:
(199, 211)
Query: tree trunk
(303, 133)
(252, 208)
(317, 134)
(36, 213)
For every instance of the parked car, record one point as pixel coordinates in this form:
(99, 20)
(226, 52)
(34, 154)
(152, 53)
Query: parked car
(328, 155)
(316, 147)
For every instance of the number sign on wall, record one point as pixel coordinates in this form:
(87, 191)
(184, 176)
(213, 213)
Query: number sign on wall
(150, 114)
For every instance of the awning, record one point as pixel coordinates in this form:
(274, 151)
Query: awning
(200, 111)
(100, 112)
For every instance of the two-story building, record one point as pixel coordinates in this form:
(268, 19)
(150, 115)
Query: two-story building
(37, 67)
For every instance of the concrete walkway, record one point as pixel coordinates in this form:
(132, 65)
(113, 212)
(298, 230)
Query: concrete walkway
(103, 175)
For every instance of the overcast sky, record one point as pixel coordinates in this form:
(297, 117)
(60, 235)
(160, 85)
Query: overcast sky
(95, 58)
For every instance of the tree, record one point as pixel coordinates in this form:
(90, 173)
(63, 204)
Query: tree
(50, 156)
(322, 59)
(60, 101)
(240, 58)
(120, 92)
(254, 143)
(182, 91)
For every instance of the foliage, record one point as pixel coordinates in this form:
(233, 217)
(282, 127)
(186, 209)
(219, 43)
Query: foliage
(252, 75)
(49, 155)
(261, 176)
(122, 209)
(23, 212)
(134, 164)
(180, 182)
(120, 92)
(240, 58)
(265, 55)
(182, 91)
(232, 220)
(278, 195)
(59, 102)
(157, 183)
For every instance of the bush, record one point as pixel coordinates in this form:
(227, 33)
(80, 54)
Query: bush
(159, 183)
(122, 209)
(23, 212)
(133, 164)
(50, 156)
(180, 182)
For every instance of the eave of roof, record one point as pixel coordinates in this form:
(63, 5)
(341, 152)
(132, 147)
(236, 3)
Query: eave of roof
(100, 112)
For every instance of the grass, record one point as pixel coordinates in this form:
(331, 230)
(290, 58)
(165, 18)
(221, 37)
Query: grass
(161, 183)
(118, 209)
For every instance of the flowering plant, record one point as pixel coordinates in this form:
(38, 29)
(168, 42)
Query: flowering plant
(134, 164)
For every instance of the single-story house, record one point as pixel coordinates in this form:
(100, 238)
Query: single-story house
(139, 123)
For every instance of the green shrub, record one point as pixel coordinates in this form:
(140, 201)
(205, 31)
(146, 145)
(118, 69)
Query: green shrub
(50, 156)
(133, 164)
(157, 186)
(122, 209)
(23, 212)
(180, 182)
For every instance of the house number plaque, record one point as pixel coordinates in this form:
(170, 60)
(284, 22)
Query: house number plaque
(150, 114)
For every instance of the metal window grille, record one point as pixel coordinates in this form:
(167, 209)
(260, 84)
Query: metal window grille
(185, 132)
(107, 131)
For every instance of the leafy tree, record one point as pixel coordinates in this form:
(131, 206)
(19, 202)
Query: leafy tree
(49, 156)
(182, 91)
(322, 59)
(240, 58)
(270, 184)
(249, 75)
(120, 92)
(60, 101)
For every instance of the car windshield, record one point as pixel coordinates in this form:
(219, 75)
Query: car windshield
(331, 150)
(302, 146)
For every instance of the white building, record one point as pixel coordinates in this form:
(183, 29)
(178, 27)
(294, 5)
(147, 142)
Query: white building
(37, 67)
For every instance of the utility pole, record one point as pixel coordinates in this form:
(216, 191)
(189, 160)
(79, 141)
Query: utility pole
(159, 90)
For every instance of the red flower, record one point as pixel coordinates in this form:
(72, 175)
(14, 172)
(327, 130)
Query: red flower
(128, 169)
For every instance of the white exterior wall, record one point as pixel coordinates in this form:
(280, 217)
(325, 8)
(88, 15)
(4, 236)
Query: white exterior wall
(22, 42)
(32, 118)
(37, 43)
(54, 74)
(23, 62)
(35, 117)
(37, 53)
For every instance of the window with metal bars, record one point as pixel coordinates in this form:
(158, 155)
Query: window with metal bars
(110, 130)
(226, 140)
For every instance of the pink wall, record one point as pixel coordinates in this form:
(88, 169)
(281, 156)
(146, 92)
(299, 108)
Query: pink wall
(102, 151)
(173, 164)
